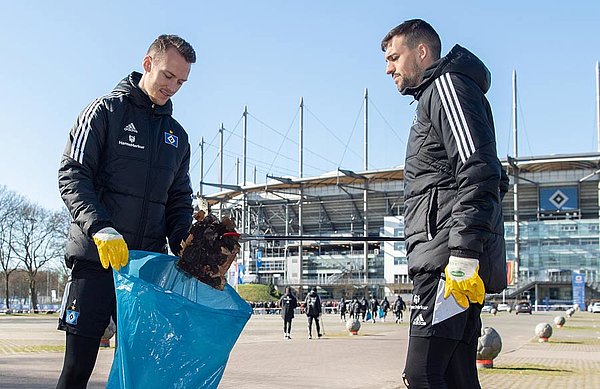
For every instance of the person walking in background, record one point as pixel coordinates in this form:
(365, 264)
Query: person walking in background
(364, 307)
(385, 307)
(288, 303)
(374, 307)
(453, 189)
(399, 307)
(313, 311)
(124, 179)
(342, 309)
(355, 309)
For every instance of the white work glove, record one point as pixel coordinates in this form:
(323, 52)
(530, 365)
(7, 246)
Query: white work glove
(463, 281)
(112, 248)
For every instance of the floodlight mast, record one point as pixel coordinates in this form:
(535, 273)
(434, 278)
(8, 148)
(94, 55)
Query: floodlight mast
(516, 183)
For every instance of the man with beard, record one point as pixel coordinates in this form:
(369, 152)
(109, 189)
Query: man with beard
(454, 184)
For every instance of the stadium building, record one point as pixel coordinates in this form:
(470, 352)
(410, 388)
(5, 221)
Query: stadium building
(556, 210)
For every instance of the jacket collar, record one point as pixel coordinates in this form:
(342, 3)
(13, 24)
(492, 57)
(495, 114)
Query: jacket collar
(458, 60)
(130, 85)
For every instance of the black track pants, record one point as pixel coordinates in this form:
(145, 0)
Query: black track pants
(287, 326)
(310, 321)
(80, 358)
(434, 363)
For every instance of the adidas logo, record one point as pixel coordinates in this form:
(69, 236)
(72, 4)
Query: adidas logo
(130, 127)
(419, 321)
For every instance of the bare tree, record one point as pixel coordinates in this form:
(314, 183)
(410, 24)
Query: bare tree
(10, 203)
(38, 241)
(63, 234)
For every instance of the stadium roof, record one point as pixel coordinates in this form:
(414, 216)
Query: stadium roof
(333, 202)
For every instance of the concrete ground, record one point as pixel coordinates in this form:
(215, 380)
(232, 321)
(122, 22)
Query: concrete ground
(31, 353)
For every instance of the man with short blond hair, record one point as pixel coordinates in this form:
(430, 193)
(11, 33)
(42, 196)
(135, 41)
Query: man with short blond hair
(124, 178)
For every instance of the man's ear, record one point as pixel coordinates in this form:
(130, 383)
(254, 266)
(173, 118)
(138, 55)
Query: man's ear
(423, 51)
(147, 63)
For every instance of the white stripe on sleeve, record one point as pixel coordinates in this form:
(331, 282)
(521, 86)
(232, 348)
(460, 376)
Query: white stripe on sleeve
(83, 130)
(80, 132)
(462, 115)
(459, 145)
(456, 117)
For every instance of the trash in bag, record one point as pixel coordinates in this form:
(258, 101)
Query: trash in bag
(209, 250)
(173, 331)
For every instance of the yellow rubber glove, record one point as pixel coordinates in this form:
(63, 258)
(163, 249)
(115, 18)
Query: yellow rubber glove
(112, 248)
(463, 281)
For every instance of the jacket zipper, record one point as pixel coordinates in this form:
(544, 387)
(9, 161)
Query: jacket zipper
(431, 224)
(144, 215)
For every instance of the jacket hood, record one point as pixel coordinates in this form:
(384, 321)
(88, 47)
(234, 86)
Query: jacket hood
(458, 60)
(130, 85)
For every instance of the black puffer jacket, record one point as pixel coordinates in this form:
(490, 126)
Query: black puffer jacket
(312, 303)
(288, 303)
(454, 182)
(126, 165)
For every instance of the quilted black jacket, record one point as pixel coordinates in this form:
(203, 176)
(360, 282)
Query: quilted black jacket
(454, 182)
(126, 165)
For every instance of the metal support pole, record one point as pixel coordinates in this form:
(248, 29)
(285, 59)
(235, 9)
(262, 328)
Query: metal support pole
(244, 195)
(201, 165)
(287, 232)
(221, 168)
(516, 180)
(300, 138)
(598, 102)
(300, 173)
(598, 127)
(366, 190)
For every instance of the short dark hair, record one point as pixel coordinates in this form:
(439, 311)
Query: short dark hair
(415, 31)
(164, 42)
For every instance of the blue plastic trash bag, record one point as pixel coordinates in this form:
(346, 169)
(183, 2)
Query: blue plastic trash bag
(173, 331)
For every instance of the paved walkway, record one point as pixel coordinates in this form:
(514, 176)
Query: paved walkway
(31, 355)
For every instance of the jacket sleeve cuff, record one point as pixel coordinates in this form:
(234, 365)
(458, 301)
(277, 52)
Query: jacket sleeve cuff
(465, 253)
(97, 226)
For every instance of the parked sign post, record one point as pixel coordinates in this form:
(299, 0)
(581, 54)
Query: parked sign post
(579, 290)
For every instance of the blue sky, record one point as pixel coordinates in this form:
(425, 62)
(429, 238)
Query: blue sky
(58, 56)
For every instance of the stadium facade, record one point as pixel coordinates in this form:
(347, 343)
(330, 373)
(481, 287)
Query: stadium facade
(557, 213)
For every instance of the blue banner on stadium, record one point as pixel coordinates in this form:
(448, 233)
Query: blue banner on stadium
(579, 290)
(565, 198)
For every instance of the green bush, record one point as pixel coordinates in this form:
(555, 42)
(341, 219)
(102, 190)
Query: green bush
(258, 292)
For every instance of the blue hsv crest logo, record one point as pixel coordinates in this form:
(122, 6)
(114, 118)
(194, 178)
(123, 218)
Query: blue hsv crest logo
(171, 139)
(71, 317)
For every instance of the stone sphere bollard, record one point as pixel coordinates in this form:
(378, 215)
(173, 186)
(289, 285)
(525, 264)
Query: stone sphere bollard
(109, 332)
(543, 332)
(494, 311)
(353, 325)
(559, 321)
(489, 346)
(570, 312)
